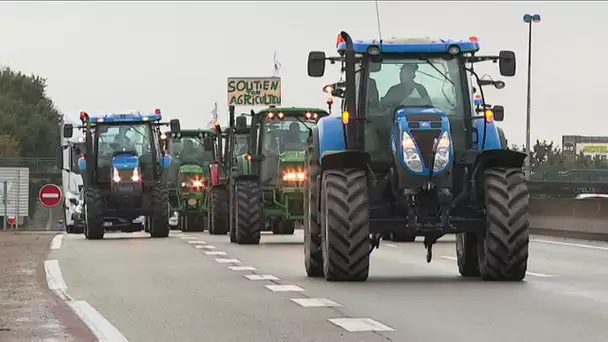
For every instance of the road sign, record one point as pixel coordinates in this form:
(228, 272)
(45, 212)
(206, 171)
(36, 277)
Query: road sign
(50, 195)
(11, 220)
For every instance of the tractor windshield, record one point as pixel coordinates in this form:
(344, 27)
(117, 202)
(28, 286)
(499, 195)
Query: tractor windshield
(124, 138)
(241, 144)
(288, 134)
(190, 150)
(432, 82)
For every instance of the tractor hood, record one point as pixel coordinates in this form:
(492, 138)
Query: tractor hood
(292, 157)
(191, 168)
(125, 162)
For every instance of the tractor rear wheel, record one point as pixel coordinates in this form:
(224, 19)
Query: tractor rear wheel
(218, 213)
(345, 225)
(159, 222)
(313, 255)
(281, 227)
(248, 215)
(193, 223)
(93, 208)
(503, 251)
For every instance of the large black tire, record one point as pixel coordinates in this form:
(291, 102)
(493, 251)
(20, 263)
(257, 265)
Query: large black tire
(93, 228)
(159, 222)
(503, 251)
(345, 225)
(218, 213)
(193, 223)
(248, 216)
(232, 216)
(280, 227)
(313, 255)
(466, 254)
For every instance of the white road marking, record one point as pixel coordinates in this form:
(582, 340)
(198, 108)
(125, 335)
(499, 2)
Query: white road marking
(215, 253)
(260, 277)
(391, 245)
(198, 246)
(186, 237)
(196, 242)
(570, 244)
(284, 288)
(242, 268)
(314, 302)
(56, 243)
(227, 261)
(99, 325)
(54, 278)
(360, 324)
(208, 247)
(541, 275)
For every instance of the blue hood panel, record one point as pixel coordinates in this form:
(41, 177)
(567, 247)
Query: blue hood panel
(125, 162)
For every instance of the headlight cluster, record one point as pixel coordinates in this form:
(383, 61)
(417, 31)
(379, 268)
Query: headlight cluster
(133, 176)
(442, 152)
(410, 153)
(412, 156)
(294, 176)
(196, 183)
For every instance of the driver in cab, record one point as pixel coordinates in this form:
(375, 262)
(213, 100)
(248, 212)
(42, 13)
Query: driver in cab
(188, 150)
(122, 141)
(293, 136)
(407, 92)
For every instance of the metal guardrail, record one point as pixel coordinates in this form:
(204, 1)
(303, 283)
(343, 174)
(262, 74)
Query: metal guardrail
(36, 165)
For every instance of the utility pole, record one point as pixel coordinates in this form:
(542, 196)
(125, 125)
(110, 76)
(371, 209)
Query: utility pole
(529, 19)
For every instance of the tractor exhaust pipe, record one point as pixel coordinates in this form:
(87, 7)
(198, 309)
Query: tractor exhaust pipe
(354, 129)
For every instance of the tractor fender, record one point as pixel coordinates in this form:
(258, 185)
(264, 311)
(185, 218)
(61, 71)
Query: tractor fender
(330, 136)
(500, 158)
(493, 141)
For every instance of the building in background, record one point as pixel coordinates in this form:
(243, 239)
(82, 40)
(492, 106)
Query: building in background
(591, 146)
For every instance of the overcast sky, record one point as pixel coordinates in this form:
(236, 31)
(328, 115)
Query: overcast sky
(176, 56)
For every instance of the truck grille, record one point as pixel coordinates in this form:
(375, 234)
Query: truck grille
(425, 139)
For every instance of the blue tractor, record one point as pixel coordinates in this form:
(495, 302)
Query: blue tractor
(123, 170)
(412, 155)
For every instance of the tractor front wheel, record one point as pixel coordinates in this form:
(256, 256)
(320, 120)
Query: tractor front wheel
(345, 225)
(248, 215)
(159, 222)
(503, 249)
(93, 208)
(218, 214)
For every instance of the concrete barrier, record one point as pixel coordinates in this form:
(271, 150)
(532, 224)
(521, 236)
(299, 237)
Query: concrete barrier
(581, 219)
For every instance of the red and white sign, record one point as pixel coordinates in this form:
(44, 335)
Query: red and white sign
(11, 220)
(50, 195)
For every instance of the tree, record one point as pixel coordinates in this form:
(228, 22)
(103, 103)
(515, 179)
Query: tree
(29, 121)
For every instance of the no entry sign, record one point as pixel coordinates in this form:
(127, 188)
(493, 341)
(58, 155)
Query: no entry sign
(50, 195)
(11, 220)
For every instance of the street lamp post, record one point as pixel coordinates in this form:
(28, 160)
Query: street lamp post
(529, 19)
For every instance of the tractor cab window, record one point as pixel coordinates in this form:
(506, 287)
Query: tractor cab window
(125, 138)
(241, 144)
(190, 149)
(288, 134)
(434, 82)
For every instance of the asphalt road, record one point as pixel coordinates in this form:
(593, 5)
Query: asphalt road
(171, 290)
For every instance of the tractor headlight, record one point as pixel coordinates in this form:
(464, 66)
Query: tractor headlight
(192, 202)
(294, 176)
(442, 152)
(116, 176)
(410, 153)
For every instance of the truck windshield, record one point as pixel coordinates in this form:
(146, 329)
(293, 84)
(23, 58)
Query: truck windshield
(432, 82)
(111, 139)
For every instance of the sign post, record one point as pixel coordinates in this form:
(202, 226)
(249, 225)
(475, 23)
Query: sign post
(12, 220)
(50, 196)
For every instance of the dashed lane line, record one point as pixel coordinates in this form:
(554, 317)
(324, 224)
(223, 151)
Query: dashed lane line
(260, 277)
(315, 302)
(56, 242)
(186, 237)
(196, 242)
(360, 324)
(242, 268)
(227, 261)
(570, 244)
(215, 253)
(284, 288)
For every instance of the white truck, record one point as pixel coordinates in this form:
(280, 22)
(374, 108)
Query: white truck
(71, 181)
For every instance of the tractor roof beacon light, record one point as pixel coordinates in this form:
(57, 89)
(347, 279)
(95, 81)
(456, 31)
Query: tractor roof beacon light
(474, 39)
(157, 111)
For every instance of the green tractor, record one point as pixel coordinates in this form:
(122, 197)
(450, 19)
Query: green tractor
(268, 188)
(194, 153)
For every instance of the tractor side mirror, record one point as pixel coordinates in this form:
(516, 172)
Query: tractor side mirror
(208, 143)
(499, 113)
(241, 125)
(316, 64)
(175, 126)
(506, 63)
(68, 131)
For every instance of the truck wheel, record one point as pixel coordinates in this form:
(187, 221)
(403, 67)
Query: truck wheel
(313, 255)
(345, 225)
(93, 208)
(248, 216)
(466, 254)
(403, 237)
(218, 215)
(159, 222)
(503, 251)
